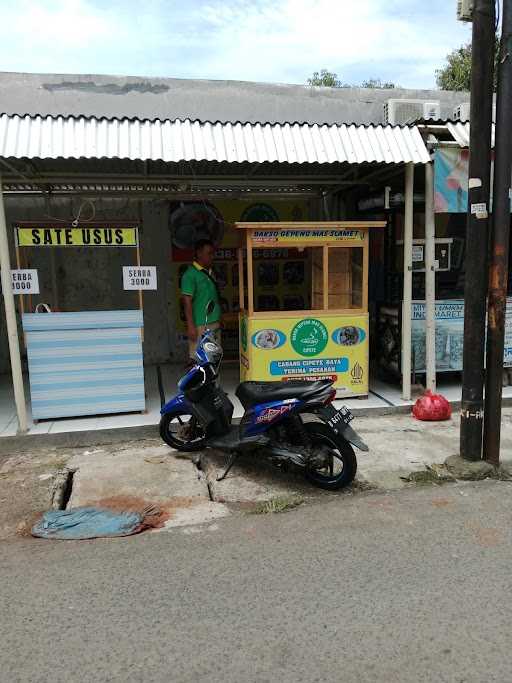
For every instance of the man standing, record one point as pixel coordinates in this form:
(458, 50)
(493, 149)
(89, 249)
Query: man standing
(198, 288)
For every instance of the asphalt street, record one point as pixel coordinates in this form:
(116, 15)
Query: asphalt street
(409, 586)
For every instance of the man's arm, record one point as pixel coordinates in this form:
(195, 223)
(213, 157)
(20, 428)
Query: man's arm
(187, 307)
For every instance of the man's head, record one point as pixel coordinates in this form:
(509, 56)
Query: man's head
(205, 252)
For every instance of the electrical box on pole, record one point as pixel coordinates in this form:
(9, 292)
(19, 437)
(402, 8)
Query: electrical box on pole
(465, 10)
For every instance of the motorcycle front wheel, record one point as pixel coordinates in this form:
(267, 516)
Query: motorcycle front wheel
(181, 431)
(340, 466)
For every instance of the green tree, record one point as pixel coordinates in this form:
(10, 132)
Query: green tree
(325, 78)
(378, 83)
(456, 74)
(329, 79)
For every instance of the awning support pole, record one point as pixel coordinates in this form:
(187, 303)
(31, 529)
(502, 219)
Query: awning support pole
(12, 328)
(430, 277)
(407, 297)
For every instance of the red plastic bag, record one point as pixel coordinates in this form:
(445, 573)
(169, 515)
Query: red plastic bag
(432, 407)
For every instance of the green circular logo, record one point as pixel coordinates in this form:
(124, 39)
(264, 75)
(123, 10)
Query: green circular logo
(243, 333)
(309, 337)
(260, 213)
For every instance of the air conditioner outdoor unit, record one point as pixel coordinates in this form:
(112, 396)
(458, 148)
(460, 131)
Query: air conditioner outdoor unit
(461, 112)
(400, 112)
(465, 10)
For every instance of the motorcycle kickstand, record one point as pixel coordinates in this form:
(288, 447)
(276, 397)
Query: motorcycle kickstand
(230, 464)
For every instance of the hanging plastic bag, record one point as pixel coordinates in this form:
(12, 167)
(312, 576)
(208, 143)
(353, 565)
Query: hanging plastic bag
(43, 308)
(432, 407)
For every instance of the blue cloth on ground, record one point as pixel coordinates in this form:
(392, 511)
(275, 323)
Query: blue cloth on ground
(87, 522)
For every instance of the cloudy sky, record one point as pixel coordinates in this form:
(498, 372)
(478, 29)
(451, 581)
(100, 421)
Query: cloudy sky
(256, 40)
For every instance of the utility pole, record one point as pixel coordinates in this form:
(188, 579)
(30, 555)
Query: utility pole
(500, 230)
(476, 281)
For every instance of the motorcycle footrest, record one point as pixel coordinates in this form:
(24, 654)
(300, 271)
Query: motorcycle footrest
(232, 441)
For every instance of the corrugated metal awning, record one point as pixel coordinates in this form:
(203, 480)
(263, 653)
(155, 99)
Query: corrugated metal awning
(460, 132)
(36, 137)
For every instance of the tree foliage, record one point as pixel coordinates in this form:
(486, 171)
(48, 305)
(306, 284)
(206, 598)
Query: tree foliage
(325, 78)
(378, 83)
(456, 74)
(328, 79)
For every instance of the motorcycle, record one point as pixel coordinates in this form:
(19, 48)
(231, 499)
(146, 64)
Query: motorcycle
(291, 423)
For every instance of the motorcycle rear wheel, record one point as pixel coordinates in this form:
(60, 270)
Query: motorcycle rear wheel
(173, 430)
(341, 469)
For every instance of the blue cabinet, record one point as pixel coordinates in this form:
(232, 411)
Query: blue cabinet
(86, 363)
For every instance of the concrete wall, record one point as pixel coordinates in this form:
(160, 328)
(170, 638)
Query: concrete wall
(91, 278)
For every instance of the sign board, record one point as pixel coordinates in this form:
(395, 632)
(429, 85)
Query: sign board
(103, 236)
(25, 281)
(442, 249)
(449, 335)
(139, 277)
(297, 236)
(417, 253)
(316, 347)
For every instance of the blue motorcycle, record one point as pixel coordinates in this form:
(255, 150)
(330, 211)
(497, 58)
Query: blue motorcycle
(290, 423)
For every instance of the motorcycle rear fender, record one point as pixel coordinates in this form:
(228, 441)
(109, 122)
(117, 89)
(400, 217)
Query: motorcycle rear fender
(344, 430)
(352, 437)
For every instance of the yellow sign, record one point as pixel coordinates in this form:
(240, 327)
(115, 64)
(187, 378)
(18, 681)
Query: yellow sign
(292, 236)
(313, 347)
(76, 237)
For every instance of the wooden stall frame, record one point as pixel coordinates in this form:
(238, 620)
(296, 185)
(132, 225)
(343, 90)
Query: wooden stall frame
(328, 246)
(250, 245)
(241, 284)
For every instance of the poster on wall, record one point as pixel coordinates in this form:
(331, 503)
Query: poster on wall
(320, 347)
(281, 278)
(449, 336)
(451, 180)
(451, 173)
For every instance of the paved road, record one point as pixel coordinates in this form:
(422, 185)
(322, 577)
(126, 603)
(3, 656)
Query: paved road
(413, 586)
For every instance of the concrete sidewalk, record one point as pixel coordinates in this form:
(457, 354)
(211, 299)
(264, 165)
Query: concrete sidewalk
(400, 444)
(135, 469)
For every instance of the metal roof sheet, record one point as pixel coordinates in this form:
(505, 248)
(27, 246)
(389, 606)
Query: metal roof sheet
(219, 100)
(37, 137)
(460, 132)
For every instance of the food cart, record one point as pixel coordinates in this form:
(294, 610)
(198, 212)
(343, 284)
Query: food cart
(82, 362)
(328, 338)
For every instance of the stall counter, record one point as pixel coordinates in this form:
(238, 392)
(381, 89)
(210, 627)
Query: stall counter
(85, 363)
(321, 346)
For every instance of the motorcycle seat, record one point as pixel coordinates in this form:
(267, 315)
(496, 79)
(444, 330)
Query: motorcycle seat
(252, 393)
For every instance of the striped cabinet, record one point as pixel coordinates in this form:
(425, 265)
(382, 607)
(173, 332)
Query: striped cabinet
(85, 363)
